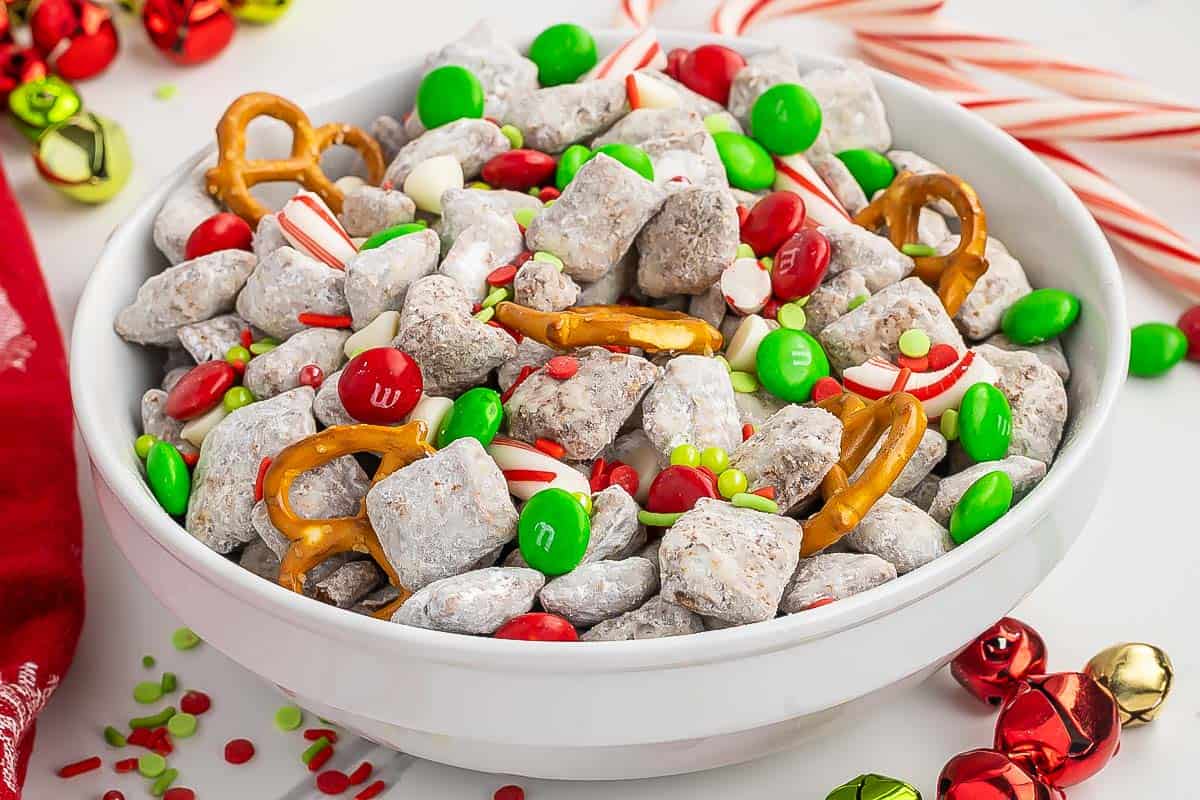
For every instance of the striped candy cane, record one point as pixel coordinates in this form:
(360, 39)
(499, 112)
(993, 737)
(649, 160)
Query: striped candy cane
(733, 17)
(636, 13)
(641, 51)
(796, 174)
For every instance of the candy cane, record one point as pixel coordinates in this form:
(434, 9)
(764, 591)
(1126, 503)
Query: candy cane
(637, 13)
(642, 51)
(796, 174)
(733, 17)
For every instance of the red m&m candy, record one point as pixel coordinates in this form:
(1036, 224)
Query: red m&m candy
(201, 388)
(380, 386)
(519, 170)
(677, 488)
(538, 627)
(772, 221)
(800, 265)
(1189, 323)
(709, 70)
(222, 231)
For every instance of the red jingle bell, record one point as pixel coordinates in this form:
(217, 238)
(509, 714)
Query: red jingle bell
(221, 231)
(772, 221)
(18, 65)
(519, 170)
(709, 70)
(538, 627)
(990, 775)
(800, 265)
(1063, 727)
(76, 37)
(188, 31)
(991, 666)
(677, 488)
(380, 386)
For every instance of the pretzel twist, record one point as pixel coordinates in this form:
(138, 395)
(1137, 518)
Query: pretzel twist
(314, 540)
(231, 179)
(847, 503)
(654, 330)
(899, 208)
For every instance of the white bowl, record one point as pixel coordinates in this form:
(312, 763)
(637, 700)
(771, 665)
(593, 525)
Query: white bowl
(644, 708)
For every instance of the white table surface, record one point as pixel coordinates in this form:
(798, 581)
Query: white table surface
(1132, 576)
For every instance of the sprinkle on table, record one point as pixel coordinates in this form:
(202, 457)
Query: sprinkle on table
(113, 794)
(80, 767)
(361, 773)
(509, 792)
(182, 725)
(331, 781)
(153, 720)
(184, 639)
(151, 765)
(164, 782)
(313, 734)
(372, 791)
(195, 702)
(148, 692)
(169, 682)
(313, 749)
(114, 738)
(179, 793)
(239, 751)
(320, 759)
(148, 662)
(125, 765)
(165, 91)
(288, 718)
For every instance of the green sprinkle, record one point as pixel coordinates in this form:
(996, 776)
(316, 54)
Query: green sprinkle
(237, 353)
(314, 748)
(263, 346)
(724, 362)
(856, 301)
(151, 765)
(686, 455)
(914, 343)
(743, 382)
(801, 301)
(767, 263)
(717, 123)
(949, 424)
(237, 397)
(147, 692)
(182, 725)
(160, 786)
(184, 639)
(148, 662)
(497, 295)
(658, 520)
(154, 720)
(792, 316)
(514, 136)
(165, 91)
(480, 185)
(524, 216)
(486, 314)
(754, 502)
(169, 682)
(585, 500)
(142, 445)
(745, 251)
(114, 737)
(288, 718)
(918, 250)
(542, 255)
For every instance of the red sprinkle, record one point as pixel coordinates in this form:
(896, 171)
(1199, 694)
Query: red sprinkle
(501, 276)
(239, 366)
(522, 257)
(239, 751)
(941, 356)
(476, 308)
(521, 376)
(179, 793)
(374, 790)
(825, 388)
(549, 193)
(626, 477)
(616, 348)
(550, 447)
(534, 475)
(80, 767)
(766, 491)
(562, 367)
(743, 214)
(126, 764)
(263, 466)
(324, 320)
(902, 379)
(140, 737)
(509, 792)
(312, 734)
(915, 364)
(598, 481)
(319, 759)
(189, 458)
(246, 337)
(333, 782)
(747, 431)
(312, 375)
(820, 601)
(770, 310)
(112, 794)
(195, 702)
(361, 773)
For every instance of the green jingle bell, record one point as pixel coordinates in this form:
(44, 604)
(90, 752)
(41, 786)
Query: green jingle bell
(87, 158)
(40, 104)
(875, 787)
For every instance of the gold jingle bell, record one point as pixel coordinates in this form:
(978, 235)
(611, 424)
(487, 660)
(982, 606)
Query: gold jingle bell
(1138, 675)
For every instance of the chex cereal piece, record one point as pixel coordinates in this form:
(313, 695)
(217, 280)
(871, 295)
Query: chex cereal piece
(349, 584)
(832, 299)
(185, 207)
(762, 71)
(755, 408)
(268, 236)
(1037, 398)
(790, 452)
(854, 248)
(462, 208)
(258, 558)
(190, 292)
(493, 241)
(923, 493)
(1003, 284)
(557, 117)
(378, 279)
(391, 135)
(692, 402)
(158, 424)
(654, 620)
(209, 339)
(530, 353)
(1050, 353)
(472, 142)
(278, 370)
(285, 285)
(476, 602)
(901, 534)
(501, 69)
(595, 592)
(835, 576)
(540, 284)
(727, 562)
(709, 305)
(1025, 473)
(615, 284)
(331, 490)
(615, 526)
(367, 210)
(686, 246)
(852, 111)
(929, 453)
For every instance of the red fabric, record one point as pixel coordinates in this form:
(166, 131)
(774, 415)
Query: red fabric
(41, 577)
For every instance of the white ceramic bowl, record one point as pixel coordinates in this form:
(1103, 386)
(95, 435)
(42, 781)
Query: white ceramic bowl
(626, 709)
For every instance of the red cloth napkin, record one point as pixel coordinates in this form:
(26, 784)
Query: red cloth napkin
(41, 575)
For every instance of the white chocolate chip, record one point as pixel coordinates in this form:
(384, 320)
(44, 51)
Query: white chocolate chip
(432, 411)
(430, 179)
(379, 333)
(198, 428)
(743, 347)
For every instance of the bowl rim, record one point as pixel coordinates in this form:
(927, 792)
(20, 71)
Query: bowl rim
(549, 657)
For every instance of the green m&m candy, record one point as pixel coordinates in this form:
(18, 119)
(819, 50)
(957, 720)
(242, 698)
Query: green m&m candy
(449, 93)
(875, 787)
(985, 422)
(476, 414)
(1040, 315)
(569, 163)
(168, 477)
(563, 53)
(633, 157)
(553, 531)
(42, 103)
(1155, 347)
(747, 164)
(786, 119)
(872, 170)
(395, 232)
(987, 500)
(789, 364)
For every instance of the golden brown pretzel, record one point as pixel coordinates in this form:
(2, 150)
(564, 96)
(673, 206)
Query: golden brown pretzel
(899, 208)
(847, 503)
(230, 180)
(652, 329)
(314, 540)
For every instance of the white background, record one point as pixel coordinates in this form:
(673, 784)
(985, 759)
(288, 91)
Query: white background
(1133, 575)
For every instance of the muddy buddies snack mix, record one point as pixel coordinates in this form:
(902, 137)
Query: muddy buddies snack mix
(637, 356)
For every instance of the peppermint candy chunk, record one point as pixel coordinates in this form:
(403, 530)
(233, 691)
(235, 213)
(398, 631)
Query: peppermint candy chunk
(311, 227)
